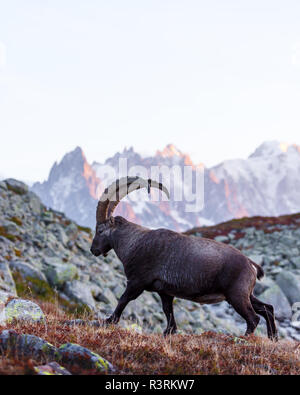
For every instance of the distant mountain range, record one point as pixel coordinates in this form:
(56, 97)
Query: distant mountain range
(267, 183)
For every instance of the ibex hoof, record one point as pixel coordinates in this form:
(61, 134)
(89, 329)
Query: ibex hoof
(169, 331)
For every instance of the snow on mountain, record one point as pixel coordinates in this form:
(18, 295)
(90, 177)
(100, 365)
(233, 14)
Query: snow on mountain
(267, 183)
(145, 209)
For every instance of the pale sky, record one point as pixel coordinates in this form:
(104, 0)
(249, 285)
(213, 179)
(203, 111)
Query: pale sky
(216, 78)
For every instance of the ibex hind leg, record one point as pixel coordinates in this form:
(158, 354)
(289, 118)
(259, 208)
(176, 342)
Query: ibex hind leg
(167, 304)
(243, 307)
(266, 311)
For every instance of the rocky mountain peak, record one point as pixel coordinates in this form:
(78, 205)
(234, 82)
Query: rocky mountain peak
(72, 178)
(169, 151)
(274, 148)
(266, 183)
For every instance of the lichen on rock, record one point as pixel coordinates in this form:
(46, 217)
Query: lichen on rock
(75, 355)
(23, 310)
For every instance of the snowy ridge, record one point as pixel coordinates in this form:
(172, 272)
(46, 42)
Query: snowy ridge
(267, 183)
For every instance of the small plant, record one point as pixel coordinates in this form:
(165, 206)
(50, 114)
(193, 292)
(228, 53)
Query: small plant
(16, 220)
(84, 229)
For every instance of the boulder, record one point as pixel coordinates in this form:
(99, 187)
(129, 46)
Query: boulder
(11, 229)
(16, 186)
(7, 283)
(221, 239)
(26, 270)
(2, 314)
(256, 258)
(80, 293)
(4, 296)
(34, 203)
(59, 273)
(51, 369)
(74, 355)
(262, 285)
(24, 345)
(107, 297)
(296, 261)
(278, 300)
(3, 185)
(290, 285)
(23, 310)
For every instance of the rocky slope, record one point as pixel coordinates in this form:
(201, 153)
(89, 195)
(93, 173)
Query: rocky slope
(46, 255)
(266, 183)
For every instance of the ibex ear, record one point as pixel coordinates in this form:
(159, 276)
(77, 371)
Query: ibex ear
(111, 221)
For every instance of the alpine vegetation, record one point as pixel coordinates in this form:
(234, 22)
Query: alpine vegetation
(176, 265)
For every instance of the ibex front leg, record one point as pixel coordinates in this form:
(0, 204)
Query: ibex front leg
(131, 293)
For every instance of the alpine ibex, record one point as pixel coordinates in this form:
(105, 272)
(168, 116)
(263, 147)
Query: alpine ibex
(176, 265)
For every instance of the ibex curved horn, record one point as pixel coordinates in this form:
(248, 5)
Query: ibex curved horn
(118, 190)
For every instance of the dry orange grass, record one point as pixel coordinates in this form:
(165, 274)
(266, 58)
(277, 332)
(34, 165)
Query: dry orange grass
(134, 353)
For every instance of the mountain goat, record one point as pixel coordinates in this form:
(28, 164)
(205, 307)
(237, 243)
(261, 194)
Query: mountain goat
(176, 265)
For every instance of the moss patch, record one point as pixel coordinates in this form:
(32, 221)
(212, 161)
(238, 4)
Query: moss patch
(8, 236)
(84, 229)
(40, 290)
(16, 190)
(18, 253)
(16, 220)
(33, 287)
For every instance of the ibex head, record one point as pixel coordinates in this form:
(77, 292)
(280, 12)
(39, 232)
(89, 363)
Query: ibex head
(107, 204)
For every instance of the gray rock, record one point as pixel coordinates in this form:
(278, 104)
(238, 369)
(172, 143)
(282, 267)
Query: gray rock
(221, 239)
(3, 185)
(34, 203)
(23, 310)
(107, 297)
(61, 236)
(59, 233)
(256, 258)
(4, 296)
(16, 186)
(25, 345)
(268, 258)
(80, 293)
(288, 241)
(2, 314)
(278, 300)
(295, 324)
(51, 369)
(59, 273)
(11, 228)
(26, 270)
(296, 261)
(72, 230)
(290, 285)
(263, 284)
(7, 283)
(74, 355)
